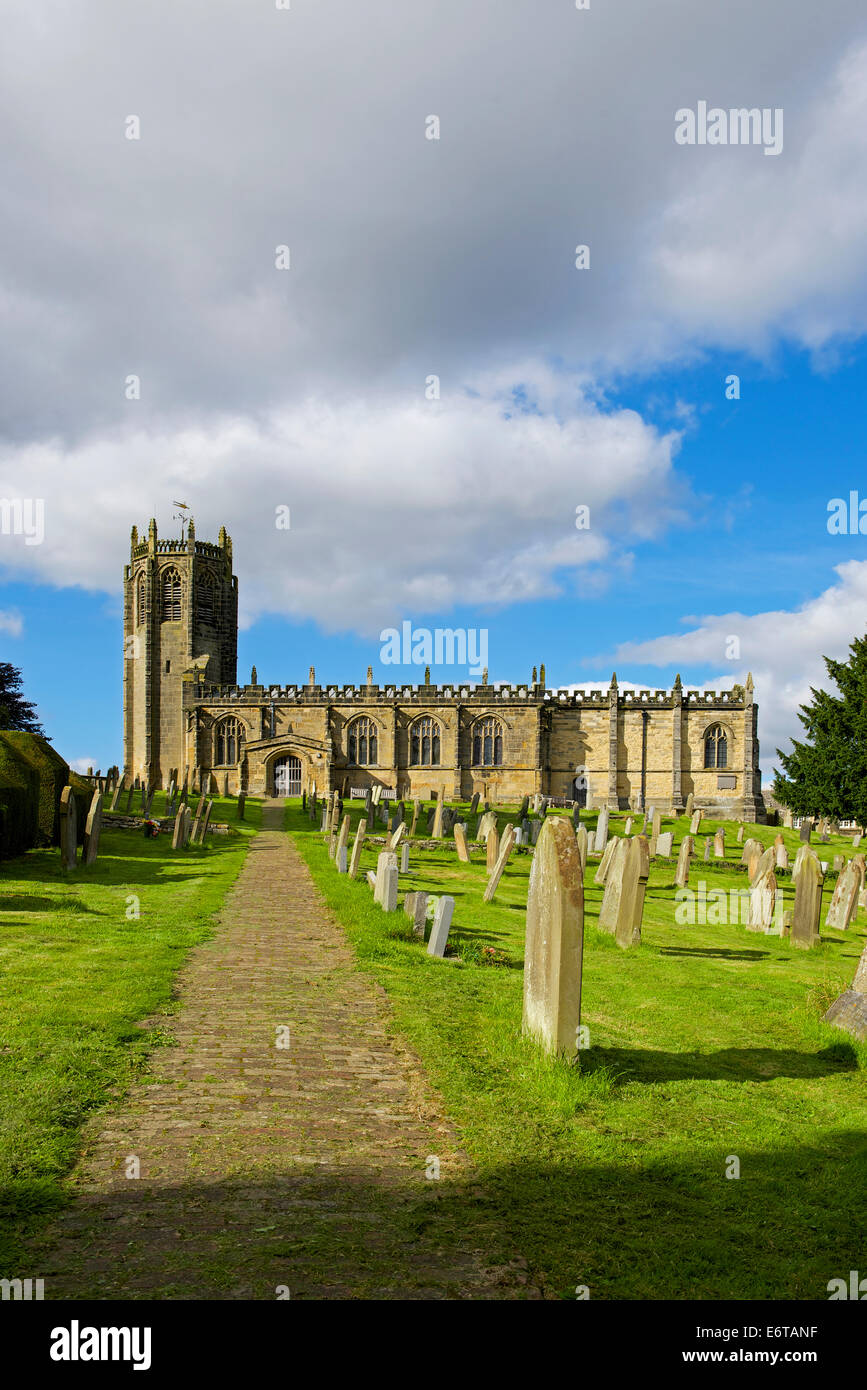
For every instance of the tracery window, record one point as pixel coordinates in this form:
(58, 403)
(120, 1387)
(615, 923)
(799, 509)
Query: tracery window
(362, 742)
(171, 596)
(227, 742)
(488, 743)
(424, 743)
(716, 747)
(141, 600)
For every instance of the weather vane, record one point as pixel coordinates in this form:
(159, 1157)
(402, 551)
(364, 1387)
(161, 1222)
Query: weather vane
(181, 516)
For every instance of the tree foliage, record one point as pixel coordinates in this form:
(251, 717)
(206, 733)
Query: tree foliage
(15, 711)
(826, 774)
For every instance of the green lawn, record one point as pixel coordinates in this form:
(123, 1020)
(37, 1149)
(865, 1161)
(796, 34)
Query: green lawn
(76, 975)
(706, 1044)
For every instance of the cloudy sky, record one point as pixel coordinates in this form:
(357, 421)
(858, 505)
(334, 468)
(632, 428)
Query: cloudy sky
(410, 258)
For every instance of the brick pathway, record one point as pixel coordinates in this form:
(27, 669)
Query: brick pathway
(261, 1166)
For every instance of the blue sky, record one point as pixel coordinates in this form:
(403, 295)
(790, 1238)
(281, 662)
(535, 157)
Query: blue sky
(158, 348)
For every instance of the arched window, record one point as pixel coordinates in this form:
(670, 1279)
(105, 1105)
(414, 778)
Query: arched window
(716, 746)
(362, 742)
(171, 596)
(424, 743)
(227, 743)
(488, 743)
(141, 600)
(205, 600)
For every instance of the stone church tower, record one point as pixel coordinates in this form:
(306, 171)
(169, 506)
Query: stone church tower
(180, 616)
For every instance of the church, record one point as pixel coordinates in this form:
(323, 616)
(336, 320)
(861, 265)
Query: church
(186, 715)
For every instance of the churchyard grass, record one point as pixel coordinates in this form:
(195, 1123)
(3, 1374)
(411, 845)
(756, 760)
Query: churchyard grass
(707, 1046)
(78, 976)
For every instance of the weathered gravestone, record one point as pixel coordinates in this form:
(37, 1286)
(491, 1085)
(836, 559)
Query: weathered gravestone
(525, 806)
(404, 857)
(844, 899)
(763, 898)
(487, 823)
(808, 904)
(760, 864)
(415, 906)
(492, 849)
(460, 835)
(474, 804)
(385, 892)
(357, 846)
(205, 821)
(439, 934)
(242, 803)
(576, 816)
(506, 845)
(342, 842)
(656, 823)
(706, 849)
(839, 863)
(437, 830)
(519, 836)
(781, 857)
(68, 829)
(690, 804)
(415, 810)
(92, 827)
(118, 788)
(664, 844)
(129, 800)
(535, 827)
(627, 829)
(719, 844)
(681, 875)
(849, 1010)
(695, 823)
(601, 874)
(397, 835)
(324, 825)
(740, 835)
(178, 830)
(554, 941)
(805, 832)
(749, 848)
(600, 838)
(623, 900)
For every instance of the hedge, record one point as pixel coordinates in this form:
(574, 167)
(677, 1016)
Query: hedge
(53, 775)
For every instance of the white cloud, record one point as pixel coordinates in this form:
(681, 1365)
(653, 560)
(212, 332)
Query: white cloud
(782, 648)
(82, 764)
(397, 508)
(11, 622)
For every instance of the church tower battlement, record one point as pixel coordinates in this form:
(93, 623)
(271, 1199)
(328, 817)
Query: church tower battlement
(180, 614)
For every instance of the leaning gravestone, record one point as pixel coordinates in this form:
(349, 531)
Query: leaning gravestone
(749, 848)
(844, 899)
(92, 827)
(849, 1010)
(808, 905)
(187, 816)
(397, 835)
(460, 835)
(178, 831)
(636, 868)
(690, 804)
(68, 829)
(492, 848)
(357, 846)
(474, 804)
(601, 837)
(554, 941)
(763, 897)
(601, 875)
(487, 823)
(342, 842)
(440, 930)
(681, 876)
(118, 788)
(617, 851)
(506, 845)
(766, 860)
(129, 800)
(205, 821)
(695, 823)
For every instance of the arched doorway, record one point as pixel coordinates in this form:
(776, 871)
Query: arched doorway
(287, 776)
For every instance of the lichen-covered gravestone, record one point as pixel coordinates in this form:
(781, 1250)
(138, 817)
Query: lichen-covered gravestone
(849, 1010)
(763, 898)
(357, 846)
(681, 876)
(695, 823)
(844, 899)
(663, 844)
(600, 839)
(719, 844)
(601, 875)
(92, 827)
(808, 904)
(554, 941)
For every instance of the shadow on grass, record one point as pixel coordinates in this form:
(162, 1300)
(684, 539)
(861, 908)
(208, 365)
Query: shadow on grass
(728, 1064)
(653, 1230)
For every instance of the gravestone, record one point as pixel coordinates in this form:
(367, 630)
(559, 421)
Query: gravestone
(740, 835)
(415, 906)
(129, 800)
(382, 812)
(242, 802)
(763, 897)
(535, 828)
(415, 811)
(342, 841)
(788, 818)
(617, 851)
(844, 899)
(357, 846)
(849, 1010)
(695, 823)
(554, 941)
(781, 858)
(690, 805)
(681, 876)
(178, 831)
(627, 829)
(187, 831)
(437, 830)
(304, 801)
(487, 823)
(397, 836)
(657, 824)
(375, 795)
(623, 900)
(766, 860)
(460, 835)
(519, 836)
(601, 874)
(856, 842)
(525, 806)
(205, 822)
(118, 788)
(839, 862)
(440, 930)
(581, 840)
(404, 857)
(805, 831)
(506, 846)
(385, 892)
(600, 839)
(808, 905)
(749, 849)
(68, 829)
(474, 804)
(340, 859)
(324, 825)
(492, 847)
(576, 816)
(525, 829)
(664, 844)
(92, 827)
(719, 844)
(706, 849)
(430, 820)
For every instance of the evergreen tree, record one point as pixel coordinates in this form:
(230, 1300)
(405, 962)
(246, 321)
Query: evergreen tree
(826, 775)
(15, 711)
